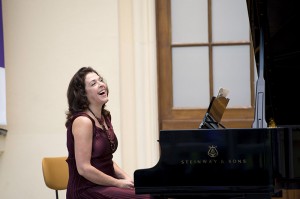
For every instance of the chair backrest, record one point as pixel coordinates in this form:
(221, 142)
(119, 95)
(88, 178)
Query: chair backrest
(55, 172)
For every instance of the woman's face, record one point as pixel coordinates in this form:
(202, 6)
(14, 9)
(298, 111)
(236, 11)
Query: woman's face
(96, 89)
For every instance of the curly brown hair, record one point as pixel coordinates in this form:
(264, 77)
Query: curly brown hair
(76, 94)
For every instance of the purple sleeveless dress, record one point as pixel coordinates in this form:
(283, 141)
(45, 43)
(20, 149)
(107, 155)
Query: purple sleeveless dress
(102, 154)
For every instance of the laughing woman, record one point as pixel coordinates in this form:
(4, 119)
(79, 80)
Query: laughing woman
(91, 142)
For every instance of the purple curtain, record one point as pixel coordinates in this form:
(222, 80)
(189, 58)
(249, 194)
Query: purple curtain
(2, 74)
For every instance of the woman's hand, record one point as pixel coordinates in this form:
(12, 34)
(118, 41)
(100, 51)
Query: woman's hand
(125, 184)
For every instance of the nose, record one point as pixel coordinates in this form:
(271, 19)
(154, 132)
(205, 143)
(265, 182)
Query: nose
(101, 83)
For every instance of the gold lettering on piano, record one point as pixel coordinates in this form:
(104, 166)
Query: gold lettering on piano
(213, 161)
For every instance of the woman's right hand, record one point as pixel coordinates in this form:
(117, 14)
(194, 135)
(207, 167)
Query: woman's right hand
(125, 184)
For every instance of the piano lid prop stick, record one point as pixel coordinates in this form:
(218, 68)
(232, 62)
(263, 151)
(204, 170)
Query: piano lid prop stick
(259, 117)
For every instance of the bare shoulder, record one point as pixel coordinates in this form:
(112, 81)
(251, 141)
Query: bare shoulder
(82, 124)
(83, 120)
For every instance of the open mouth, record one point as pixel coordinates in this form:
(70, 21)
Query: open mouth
(102, 92)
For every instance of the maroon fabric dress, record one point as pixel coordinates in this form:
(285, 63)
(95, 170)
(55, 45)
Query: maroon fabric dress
(102, 154)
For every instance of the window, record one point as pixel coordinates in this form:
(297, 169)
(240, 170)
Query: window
(204, 45)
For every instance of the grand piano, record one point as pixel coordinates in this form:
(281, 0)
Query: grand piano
(254, 163)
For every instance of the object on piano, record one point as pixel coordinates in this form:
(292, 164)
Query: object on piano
(217, 163)
(223, 92)
(215, 111)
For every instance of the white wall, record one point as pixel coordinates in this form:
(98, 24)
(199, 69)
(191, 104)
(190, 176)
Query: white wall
(46, 42)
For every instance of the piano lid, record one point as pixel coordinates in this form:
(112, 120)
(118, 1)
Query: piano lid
(279, 20)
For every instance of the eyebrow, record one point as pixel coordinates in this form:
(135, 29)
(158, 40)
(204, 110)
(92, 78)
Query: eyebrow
(94, 80)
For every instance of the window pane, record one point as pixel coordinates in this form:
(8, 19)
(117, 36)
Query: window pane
(232, 71)
(189, 21)
(230, 20)
(190, 77)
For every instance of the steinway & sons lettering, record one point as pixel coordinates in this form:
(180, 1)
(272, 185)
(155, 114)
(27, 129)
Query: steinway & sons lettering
(213, 161)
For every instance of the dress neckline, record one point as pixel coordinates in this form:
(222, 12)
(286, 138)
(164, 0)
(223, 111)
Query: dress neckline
(107, 131)
(100, 120)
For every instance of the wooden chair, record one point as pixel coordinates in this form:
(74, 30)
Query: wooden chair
(55, 172)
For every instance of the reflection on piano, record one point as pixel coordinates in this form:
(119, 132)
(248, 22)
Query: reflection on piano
(256, 163)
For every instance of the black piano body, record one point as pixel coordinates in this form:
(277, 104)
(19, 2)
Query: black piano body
(222, 163)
